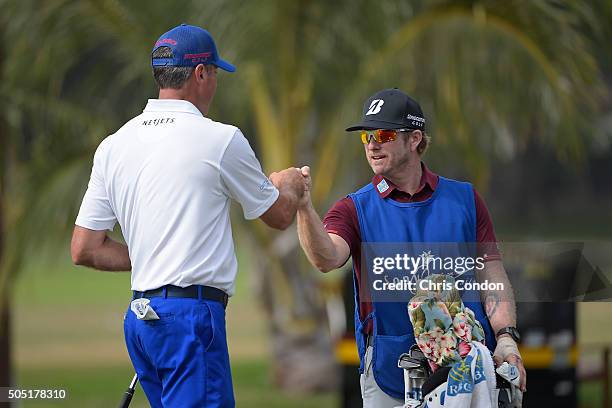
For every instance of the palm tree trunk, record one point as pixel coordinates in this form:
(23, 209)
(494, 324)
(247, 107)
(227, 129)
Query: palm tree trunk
(302, 348)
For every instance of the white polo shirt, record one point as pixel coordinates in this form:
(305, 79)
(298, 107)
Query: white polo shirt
(167, 177)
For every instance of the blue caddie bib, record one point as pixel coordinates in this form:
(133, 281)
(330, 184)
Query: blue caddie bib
(448, 216)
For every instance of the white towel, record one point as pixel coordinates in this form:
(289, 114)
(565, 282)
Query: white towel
(471, 382)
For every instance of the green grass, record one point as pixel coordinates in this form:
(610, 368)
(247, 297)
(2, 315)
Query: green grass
(590, 395)
(103, 387)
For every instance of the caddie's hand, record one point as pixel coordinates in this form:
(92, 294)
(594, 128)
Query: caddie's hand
(305, 170)
(507, 350)
(307, 180)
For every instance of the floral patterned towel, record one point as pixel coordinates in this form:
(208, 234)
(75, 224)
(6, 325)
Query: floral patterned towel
(443, 326)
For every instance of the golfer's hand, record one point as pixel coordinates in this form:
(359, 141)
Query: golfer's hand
(290, 179)
(507, 350)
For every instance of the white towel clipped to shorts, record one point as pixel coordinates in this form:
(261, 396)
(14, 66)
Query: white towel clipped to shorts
(471, 382)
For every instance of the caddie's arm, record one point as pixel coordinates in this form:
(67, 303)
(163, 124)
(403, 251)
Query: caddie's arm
(290, 185)
(96, 250)
(500, 308)
(324, 250)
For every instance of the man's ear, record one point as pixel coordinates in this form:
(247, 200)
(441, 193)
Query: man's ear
(200, 71)
(414, 139)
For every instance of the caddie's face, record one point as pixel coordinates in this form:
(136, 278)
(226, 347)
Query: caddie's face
(387, 159)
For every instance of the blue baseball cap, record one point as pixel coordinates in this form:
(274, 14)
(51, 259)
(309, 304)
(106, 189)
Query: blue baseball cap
(190, 46)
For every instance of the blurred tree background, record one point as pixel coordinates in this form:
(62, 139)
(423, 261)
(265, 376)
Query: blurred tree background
(517, 96)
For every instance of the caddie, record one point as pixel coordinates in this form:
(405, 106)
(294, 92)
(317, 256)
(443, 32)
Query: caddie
(167, 177)
(405, 202)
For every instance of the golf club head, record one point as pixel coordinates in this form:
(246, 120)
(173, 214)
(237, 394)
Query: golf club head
(408, 363)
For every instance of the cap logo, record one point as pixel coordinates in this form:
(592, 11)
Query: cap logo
(375, 107)
(201, 57)
(166, 41)
(418, 119)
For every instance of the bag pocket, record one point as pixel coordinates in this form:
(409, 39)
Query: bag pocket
(387, 350)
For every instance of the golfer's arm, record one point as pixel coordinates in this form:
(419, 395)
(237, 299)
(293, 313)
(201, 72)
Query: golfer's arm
(282, 213)
(499, 305)
(290, 188)
(325, 251)
(96, 250)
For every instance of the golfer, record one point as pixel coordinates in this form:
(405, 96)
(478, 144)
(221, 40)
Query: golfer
(404, 202)
(167, 177)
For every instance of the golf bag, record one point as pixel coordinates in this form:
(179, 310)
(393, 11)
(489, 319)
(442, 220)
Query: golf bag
(426, 389)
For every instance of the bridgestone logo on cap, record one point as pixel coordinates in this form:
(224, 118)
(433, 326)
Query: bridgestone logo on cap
(375, 107)
(418, 119)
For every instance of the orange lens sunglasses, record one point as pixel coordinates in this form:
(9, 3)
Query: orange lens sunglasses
(380, 135)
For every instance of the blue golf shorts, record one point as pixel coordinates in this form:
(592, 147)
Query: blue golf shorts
(182, 359)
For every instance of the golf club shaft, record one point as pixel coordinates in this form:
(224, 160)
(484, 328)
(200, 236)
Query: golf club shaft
(129, 393)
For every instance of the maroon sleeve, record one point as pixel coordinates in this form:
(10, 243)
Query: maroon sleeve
(485, 233)
(342, 220)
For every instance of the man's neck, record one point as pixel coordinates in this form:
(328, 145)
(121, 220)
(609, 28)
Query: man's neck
(181, 94)
(409, 180)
